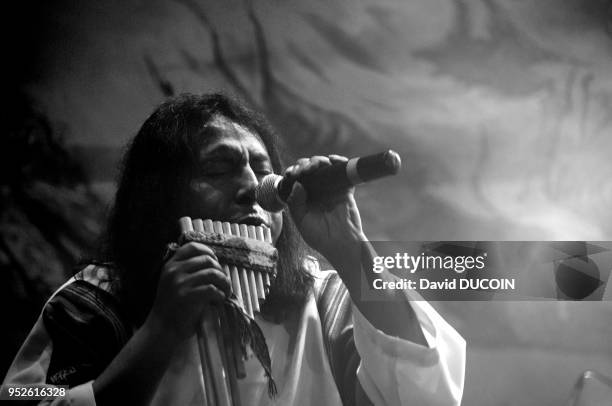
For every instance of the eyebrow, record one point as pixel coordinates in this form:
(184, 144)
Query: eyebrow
(222, 150)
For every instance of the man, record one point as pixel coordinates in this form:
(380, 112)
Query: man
(123, 331)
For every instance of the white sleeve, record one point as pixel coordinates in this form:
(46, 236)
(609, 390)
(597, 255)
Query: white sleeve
(399, 372)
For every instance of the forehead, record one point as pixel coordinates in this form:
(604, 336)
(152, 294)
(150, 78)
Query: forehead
(224, 134)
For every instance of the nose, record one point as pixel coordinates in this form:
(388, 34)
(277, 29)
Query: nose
(247, 186)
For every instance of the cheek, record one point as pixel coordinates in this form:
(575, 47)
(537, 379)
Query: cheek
(206, 201)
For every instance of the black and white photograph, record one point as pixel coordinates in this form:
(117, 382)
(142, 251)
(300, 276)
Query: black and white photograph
(307, 203)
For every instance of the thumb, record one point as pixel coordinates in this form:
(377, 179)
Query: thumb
(297, 202)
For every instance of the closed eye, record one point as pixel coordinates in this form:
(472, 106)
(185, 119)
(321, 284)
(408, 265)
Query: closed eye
(264, 172)
(217, 167)
(262, 169)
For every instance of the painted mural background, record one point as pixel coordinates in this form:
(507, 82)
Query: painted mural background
(501, 110)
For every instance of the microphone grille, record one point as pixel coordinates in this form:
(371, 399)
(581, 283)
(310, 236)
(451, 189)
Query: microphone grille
(266, 193)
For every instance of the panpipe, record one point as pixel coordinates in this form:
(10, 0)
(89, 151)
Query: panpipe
(222, 354)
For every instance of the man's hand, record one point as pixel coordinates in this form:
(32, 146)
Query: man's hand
(189, 280)
(330, 224)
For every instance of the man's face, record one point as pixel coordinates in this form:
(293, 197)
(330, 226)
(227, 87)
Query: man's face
(231, 164)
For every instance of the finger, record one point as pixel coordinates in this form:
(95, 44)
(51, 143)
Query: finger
(302, 161)
(289, 170)
(210, 276)
(192, 249)
(311, 166)
(337, 158)
(317, 162)
(198, 262)
(293, 172)
(289, 174)
(207, 293)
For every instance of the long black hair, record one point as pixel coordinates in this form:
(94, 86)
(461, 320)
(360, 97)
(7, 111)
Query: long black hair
(156, 171)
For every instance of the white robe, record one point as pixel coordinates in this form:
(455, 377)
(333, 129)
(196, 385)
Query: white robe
(392, 371)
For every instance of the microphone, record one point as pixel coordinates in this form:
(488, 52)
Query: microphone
(273, 191)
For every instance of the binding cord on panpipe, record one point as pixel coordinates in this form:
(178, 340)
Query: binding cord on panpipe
(249, 259)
